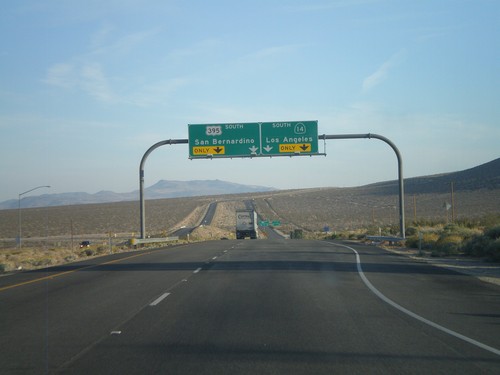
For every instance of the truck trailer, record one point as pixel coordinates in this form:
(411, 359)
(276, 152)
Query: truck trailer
(246, 224)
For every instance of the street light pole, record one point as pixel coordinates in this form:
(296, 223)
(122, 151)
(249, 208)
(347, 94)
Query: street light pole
(19, 209)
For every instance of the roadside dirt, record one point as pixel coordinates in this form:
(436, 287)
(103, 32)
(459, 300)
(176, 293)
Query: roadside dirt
(485, 271)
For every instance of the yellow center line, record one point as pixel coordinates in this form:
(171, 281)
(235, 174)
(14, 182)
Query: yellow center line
(68, 272)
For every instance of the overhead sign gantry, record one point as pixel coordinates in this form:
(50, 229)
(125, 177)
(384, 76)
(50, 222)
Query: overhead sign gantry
(260, 139)
(253, 139)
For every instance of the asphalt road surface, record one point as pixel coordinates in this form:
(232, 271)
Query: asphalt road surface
(209, 216)
(207, 220)
(249, 307)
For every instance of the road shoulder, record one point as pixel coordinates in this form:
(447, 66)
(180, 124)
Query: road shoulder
(484, 271)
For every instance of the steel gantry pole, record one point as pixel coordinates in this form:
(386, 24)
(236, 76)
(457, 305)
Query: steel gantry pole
(141, 178)
(400, 169)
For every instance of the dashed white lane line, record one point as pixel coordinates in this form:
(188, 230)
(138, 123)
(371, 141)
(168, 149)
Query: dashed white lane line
(197, 270)
(411, 313)
(159, 299)
(214, 258)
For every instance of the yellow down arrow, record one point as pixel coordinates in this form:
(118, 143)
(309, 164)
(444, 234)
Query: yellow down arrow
(295, 147)
(208, 150)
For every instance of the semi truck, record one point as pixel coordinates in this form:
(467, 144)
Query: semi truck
(246, 224)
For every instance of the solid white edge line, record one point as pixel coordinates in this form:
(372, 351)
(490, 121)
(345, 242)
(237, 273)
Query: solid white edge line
(197, 270)
(159, 299)
(412, 314)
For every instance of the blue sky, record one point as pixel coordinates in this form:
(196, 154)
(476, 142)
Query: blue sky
(86, 87)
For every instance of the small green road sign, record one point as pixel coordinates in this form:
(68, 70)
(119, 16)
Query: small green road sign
(289, 137)
(224, 140)
(264, 223)
(276, 223)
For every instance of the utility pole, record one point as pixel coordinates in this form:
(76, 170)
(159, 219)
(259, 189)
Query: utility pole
(414, 209)
(19, 211)
(452, 203)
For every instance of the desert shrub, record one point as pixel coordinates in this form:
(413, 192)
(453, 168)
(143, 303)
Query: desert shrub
(448, 244)
(412, 241)
(101, 249)
(486, 245)
(493, 233)
(427, 223)
(493, 250)
(88, 252)
(462, 231)
(70, 258)
(490, 220)
(2, 267)
(476, 246)
(429, 240)
(334, 236)
(411, 231)
(372, 230)
(41, 262)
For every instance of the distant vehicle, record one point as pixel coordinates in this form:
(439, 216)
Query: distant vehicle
(84, 244)
(246, 224)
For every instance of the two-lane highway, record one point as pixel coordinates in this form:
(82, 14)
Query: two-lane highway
(264, 306)
(207, 220)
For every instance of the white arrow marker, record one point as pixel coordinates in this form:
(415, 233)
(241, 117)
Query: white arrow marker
(253, 149)
(268, 148)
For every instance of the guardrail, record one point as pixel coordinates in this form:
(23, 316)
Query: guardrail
(140, 241)
(385, 238)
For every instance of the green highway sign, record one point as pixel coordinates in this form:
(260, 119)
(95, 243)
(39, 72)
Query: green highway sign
(276, 223)
(289, 137)
(253, 139)
(264, 223)
(223, 140)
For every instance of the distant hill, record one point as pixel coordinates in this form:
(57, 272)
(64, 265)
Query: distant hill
(482, 177)
(485, 176)
(162, 189)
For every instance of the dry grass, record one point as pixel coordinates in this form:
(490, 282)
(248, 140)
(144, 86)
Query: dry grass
(354, 208)
(209, 233)
(51, 235)
(225, 216)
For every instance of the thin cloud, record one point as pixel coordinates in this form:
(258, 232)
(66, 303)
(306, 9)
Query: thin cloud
(381, 74)
(86, 72)
(121, 45)
(95, 83)
(198, 49)
(276, 51)
(88, 77)
(60, 75)
(316, 7)
(157, 92)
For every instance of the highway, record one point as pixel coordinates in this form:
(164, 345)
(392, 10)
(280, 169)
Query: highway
(207, 220)
(249, 307)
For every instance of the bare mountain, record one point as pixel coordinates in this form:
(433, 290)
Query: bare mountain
(485, 176)
(162, 189)
(482, 177)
